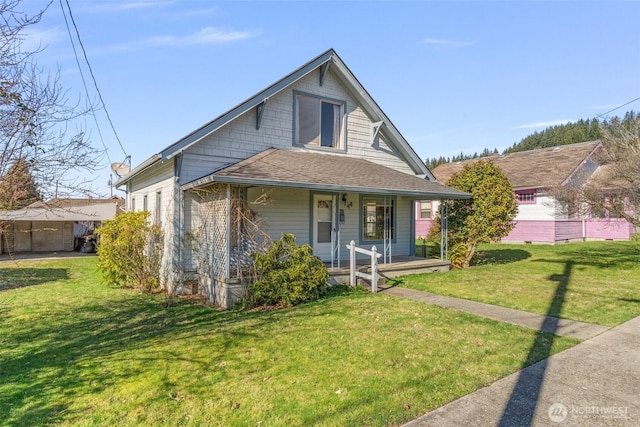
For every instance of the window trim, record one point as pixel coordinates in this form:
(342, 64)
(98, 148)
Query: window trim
(158, 208)
(430, 203)
(343, 122)
(394, 201)
(530, 192)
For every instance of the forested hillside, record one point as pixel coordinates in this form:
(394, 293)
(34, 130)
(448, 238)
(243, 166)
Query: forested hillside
(553, 136)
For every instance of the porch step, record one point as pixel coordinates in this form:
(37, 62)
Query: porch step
(401, 266)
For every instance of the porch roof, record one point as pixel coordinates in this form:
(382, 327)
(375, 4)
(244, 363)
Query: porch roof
(329, 172)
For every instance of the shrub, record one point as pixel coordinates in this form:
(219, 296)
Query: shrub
(130, 250)
(486, 217)
(287, 274)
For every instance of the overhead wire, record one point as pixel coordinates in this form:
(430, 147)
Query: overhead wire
(84, 83)
(95, 83)
(618, 107)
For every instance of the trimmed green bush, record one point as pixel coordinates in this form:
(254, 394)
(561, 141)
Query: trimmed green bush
(288, 275)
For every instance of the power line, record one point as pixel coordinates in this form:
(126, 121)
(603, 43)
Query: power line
(95, 83)
(84, 83)
(623, 105)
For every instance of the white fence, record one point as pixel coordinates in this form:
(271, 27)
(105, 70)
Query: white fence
(373, 277)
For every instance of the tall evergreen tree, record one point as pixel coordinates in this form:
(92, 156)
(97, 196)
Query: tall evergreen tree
(17, 187)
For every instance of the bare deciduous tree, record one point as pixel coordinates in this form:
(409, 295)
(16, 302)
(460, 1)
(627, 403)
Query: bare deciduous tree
(35, 114)
(614, 188)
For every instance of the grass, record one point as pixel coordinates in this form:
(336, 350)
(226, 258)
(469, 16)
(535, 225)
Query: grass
(74, 351)
(599, 280)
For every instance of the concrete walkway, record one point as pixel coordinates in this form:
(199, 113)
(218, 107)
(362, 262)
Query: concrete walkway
(596, 383)
(561, 327)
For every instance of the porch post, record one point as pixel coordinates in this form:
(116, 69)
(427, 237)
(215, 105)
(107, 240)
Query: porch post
(352, 263)
(444, 232)
(374, 269)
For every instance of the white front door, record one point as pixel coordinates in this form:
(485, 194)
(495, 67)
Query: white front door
(323, 224)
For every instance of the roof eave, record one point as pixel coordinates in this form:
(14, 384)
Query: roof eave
(142, 166)
(323, 187)
(401, 143)
(247, 105)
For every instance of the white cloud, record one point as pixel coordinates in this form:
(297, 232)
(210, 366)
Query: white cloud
(206, 36)
(545, 124)
(447, 43)
(35, 39)
(130, 5)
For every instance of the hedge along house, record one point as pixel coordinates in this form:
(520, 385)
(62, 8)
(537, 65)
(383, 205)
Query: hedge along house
(312, 155)
(541, 218)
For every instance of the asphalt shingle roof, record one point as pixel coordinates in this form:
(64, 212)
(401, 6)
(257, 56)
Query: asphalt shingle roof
(541, 168)
(303, 169)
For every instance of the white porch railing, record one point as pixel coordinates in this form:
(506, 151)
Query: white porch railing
(373, 277)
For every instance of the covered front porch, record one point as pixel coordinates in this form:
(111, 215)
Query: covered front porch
(236, 210)
(400, 265)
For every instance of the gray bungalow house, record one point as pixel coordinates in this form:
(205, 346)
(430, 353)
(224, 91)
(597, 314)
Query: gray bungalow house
(312, 154)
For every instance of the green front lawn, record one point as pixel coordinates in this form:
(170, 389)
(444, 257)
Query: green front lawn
(594, 282)
(74, 351)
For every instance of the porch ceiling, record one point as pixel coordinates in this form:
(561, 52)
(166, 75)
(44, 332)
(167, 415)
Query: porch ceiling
(319, 171)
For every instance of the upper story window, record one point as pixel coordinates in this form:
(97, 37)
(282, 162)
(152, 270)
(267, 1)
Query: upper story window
(318, 121)
(525, 197)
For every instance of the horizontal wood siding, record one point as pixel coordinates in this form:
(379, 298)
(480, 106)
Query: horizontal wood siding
(423, 227)
(403, 229)
(286, 211)
(568, 230)
(608, 229)
(532, 231)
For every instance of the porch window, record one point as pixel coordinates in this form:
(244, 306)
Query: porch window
(318, 121)
(425, 209)
(526, 197)
(377, 216)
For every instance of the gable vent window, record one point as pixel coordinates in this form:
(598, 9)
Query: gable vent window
(318, 121)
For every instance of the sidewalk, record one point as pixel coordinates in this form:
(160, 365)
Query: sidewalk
(560, 327)
(596, 383)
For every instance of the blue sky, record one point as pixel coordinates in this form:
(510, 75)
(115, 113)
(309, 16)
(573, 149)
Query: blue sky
(452, 76)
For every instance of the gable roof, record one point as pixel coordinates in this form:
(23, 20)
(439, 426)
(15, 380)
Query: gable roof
(328, 172)
(540, 168)
(327, 59)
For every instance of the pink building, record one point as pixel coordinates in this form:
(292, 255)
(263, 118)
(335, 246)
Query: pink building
(541, 218)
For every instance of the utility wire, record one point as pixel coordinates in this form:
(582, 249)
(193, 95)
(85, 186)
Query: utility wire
(84, 83)
(95, 83)
(625, 104)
